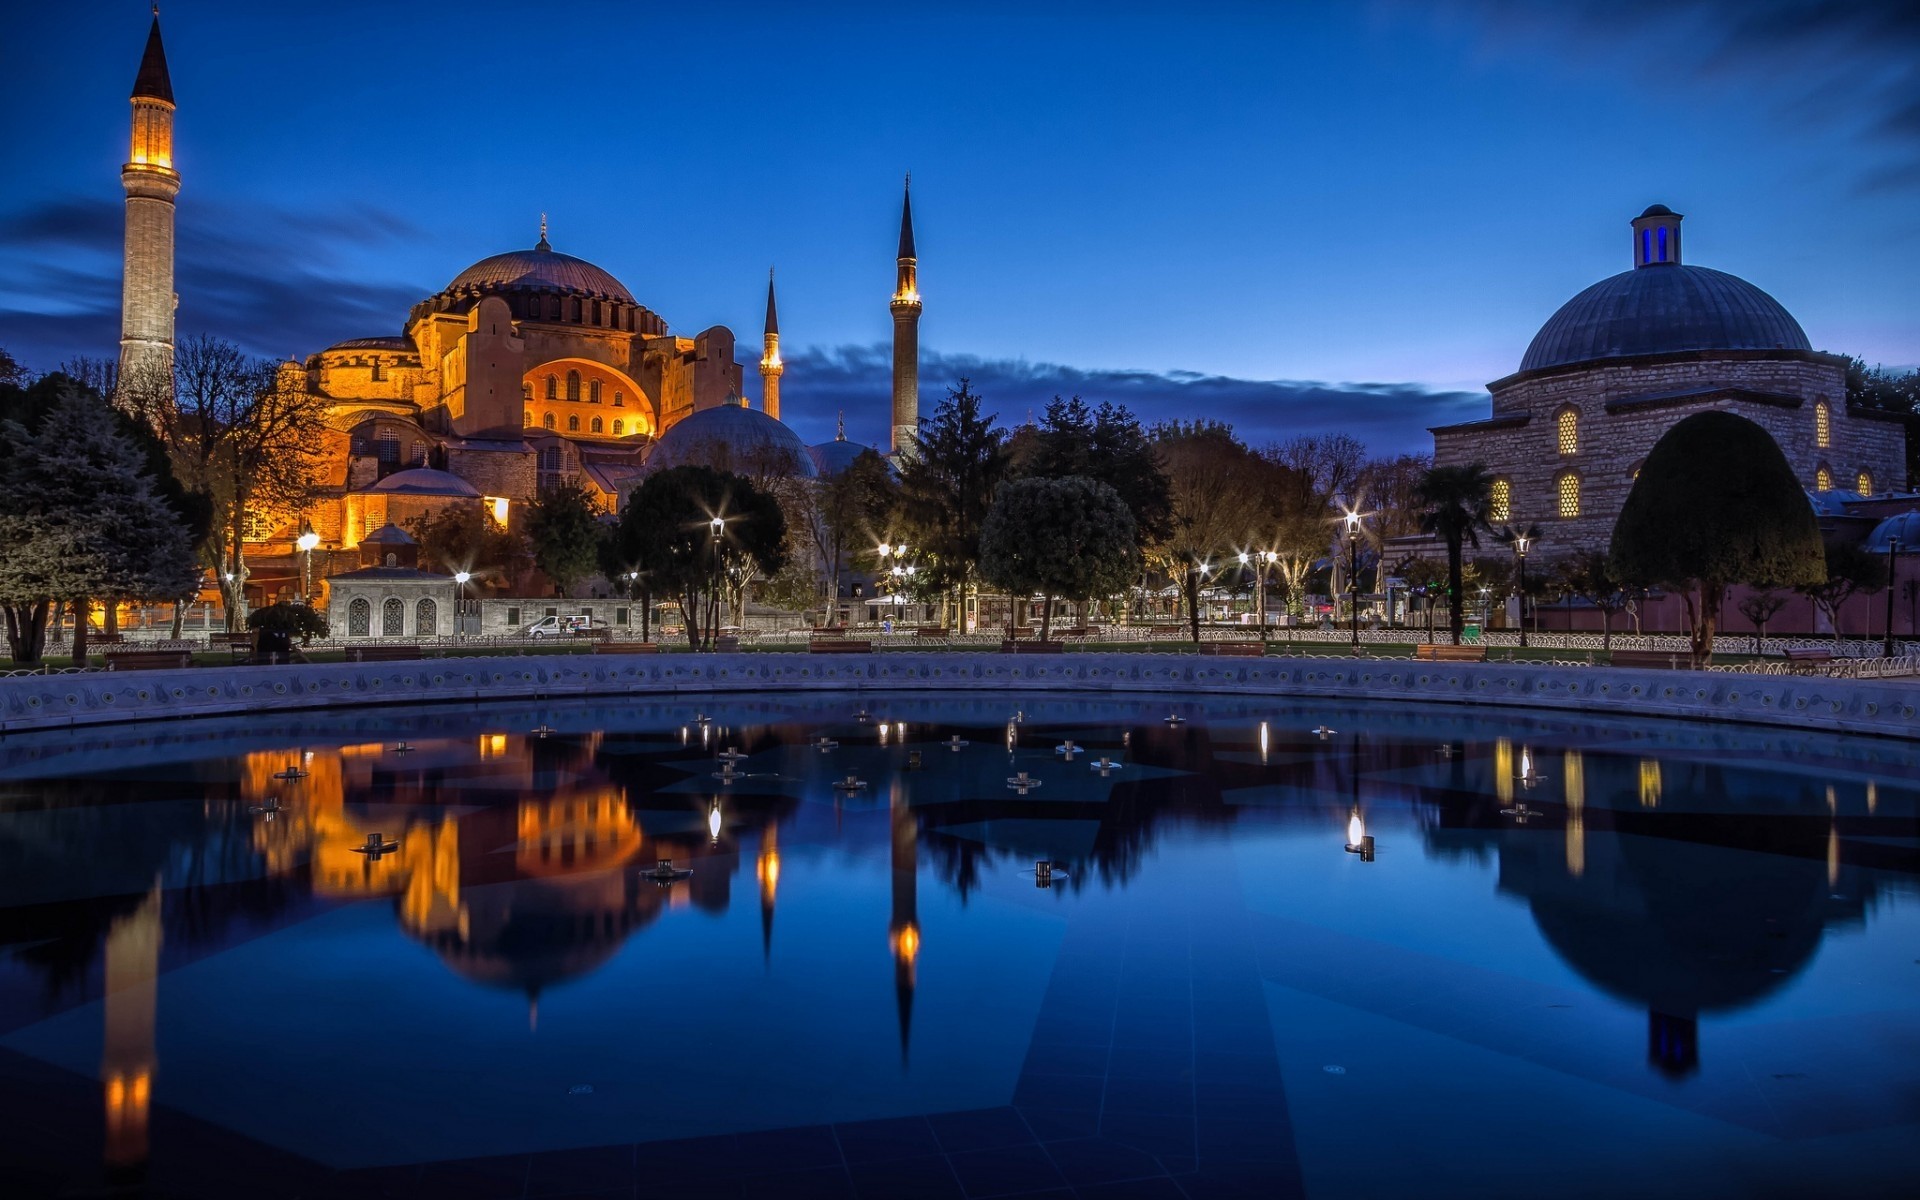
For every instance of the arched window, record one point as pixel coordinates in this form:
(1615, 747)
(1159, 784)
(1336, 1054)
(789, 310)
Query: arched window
(596, 425)
(593, 391)
(526, 391)
(359, 617)
(617, 428)
(1567, 431)
(393, 617)
(1568, 489)
(426, 618)
(1822, 424)
(596, 312)
(1500, 502)
(379, 371)
(1823, 478)
(576, 310)
(573, 385)
(553, 388)
(619, 399)
(550, 458)
(1864, 482)
(526, 418)
(547, 421)
(573, 424)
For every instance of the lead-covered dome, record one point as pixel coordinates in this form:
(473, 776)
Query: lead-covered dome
(1662, 307)
(543, 269)
(424, 481)
(733, 437)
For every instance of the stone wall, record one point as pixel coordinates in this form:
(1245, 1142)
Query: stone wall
(59, 701)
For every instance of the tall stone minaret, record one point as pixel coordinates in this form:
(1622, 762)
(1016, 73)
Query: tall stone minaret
(906, 334)
(146, 297)
(770, 367)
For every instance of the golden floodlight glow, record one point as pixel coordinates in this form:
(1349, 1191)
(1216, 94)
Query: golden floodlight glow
(1649, 783)
(498, 507)
(906, 944)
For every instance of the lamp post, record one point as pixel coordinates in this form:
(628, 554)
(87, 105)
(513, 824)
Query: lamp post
(1893, 562)
(460, 579)
(718, 525)
(1520, 543)
(307, 541)
(1353, 576)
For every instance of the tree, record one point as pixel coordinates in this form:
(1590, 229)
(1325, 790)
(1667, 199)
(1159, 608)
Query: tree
(12, 373)
(1108, 445)
(1850, 569)
(1222, 494)
(1388, 491)
(84, 517)
(947, 483)
(1715, 504)
(295, 620)
(1889, 391)
(563, 531)
(1589, 575)
(856, 510)
(1759, 607)
(1071, 538)
(1424, 577)
(245, 432)
(666, 532)
(463, 537)
(1326, 467)
(1455, 504)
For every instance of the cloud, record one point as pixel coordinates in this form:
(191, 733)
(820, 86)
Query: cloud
(1834, 67)
(1391, 418)
(277, 281)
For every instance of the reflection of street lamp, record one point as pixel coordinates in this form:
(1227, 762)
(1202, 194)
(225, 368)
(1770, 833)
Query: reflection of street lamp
(307, 541)
(1359, 841)
(1353, 575)
(1520, 543)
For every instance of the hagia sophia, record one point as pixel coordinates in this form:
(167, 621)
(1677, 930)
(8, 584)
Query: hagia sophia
(529, 368)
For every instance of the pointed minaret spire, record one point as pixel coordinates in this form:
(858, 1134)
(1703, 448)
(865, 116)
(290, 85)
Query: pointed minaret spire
(770, 367)
(147, 299)
(840, 434)
(906, 332)
(543, 243)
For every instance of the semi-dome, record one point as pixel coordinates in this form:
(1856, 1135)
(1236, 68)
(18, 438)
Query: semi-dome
(1903, 527)
(424, 481)
(541, 268)
(1663, 309)
(733, 437)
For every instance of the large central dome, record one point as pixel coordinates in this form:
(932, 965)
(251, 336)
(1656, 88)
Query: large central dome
(1664, 309)
(541, 268)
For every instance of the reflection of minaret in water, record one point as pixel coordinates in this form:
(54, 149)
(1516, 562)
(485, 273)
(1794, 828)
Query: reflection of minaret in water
(903, 930)
(127, 1057)
(767, 867)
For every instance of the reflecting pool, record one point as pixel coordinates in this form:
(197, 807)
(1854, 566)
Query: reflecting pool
(919, 946)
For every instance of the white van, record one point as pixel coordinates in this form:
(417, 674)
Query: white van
(559, 627)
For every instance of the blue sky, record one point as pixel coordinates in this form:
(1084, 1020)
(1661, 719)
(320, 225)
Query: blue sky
(1192, 207)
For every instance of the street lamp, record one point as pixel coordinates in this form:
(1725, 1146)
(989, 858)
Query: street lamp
(718, 525)
(1353, 575)
(1520, 543)
(307, 541)
(1893, 562)
(460, 579)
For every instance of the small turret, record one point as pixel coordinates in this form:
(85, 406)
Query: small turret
(1656, 237)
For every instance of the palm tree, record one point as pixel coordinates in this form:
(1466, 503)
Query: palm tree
(1455, 504)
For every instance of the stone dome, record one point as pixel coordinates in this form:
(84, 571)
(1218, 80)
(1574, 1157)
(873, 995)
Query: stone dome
(831, 458)
(1904, 526)
(540, 269)
(733, 437)
(424, 481)
(1663, 309)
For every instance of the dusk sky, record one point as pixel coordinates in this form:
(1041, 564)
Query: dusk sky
(1298, 218)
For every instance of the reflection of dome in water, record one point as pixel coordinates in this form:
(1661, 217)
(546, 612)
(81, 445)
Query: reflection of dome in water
(532, 934)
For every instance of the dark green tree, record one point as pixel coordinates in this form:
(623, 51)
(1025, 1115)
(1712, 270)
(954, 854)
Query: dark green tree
(1589, 575)
(1716, 504)
(1851, 570)
(947, 484)
(1894, 392)
(857, 512)
(564, 533)
(464, 537)
(1760, 606)
(1455, 504)
(1070, 538)
(1222, 496)
(666, 531)
(1106, 444)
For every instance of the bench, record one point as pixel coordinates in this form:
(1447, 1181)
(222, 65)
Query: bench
(839, 646)
(612, 647)
(383, 653)
(932, 631)
(148, 660)
(1032, 646)
(1235, 649)
(1659, 660)
(1802, 659)
(1446, 652)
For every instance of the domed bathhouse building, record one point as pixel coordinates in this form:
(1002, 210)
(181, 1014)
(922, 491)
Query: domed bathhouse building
(1628, 358)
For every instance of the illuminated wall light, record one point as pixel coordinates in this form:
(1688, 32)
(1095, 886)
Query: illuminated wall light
(1649, 783)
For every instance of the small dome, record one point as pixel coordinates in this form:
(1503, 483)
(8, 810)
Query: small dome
(389, 535)
(1671, 309)
(733, 437)
(424, 481)
(1904, 526)
(1658, 210)
(541, 268)
(832, 458)
(403, 344)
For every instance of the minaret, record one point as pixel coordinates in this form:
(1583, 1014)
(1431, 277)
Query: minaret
(146, 296)
(770, 367)
(906, 333)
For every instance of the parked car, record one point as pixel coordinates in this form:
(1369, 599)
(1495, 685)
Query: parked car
(559, 627)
